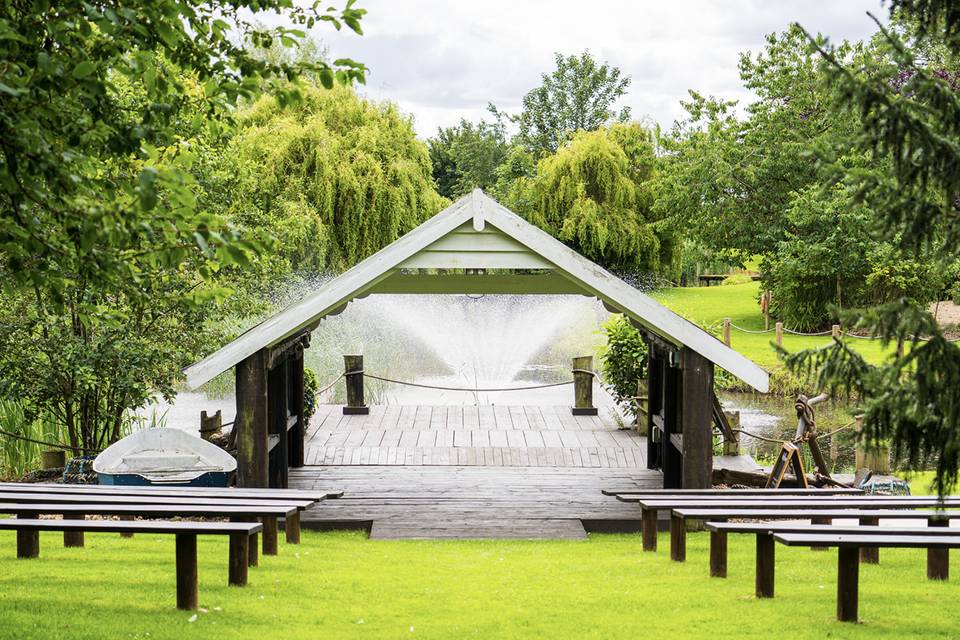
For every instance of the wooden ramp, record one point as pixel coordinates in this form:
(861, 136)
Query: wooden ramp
(471, 472)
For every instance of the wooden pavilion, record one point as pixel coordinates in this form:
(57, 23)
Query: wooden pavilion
(475, 246)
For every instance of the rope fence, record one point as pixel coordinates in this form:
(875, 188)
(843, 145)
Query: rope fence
(448, 388)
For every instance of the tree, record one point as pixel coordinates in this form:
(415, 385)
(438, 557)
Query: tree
(579, 95)
(910, 112)
(107, 247)
(333, 178)
(467, 156)
(594, 194)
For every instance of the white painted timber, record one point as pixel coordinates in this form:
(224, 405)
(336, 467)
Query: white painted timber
(477, 233)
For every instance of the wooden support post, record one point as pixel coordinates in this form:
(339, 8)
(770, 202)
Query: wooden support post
(835, 331)
(210, 425)
(291, 527)
(696, 419)
(53, 459)
(187, 596)
(938, 560)
(732, 447)
(253, 552)
(127, 534)
(648, 524)
(820, 520)
(269, 536)
(298, 433)
(718, 554)
(848, 583)
(779, 334)
(870, 555)
(239, 554)
(73, 538)
(28, 544)
(678, 539)
(583, 387)
(726, 331)
(766, 560)
(353, 372)
(253, 467)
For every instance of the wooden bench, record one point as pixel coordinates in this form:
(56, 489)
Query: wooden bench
(693, 493)
(28, 544)
(226, 493)
(865, 517)
(649, 509)
(848, 562)
(937, 569)
(292, 525)
(237, 512)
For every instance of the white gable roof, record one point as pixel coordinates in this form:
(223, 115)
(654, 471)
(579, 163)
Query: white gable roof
(445, 241)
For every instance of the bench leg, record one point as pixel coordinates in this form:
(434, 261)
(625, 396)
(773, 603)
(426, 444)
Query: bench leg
(766, 557)
(239, 555)
(938, 560)
(848, 583)
(718, 554)
(73, 538)
(126, 534)
(187, 596)
(819, 520)
(678, 538)
(648, 523)
(870, 555)
(270, 536)
(253, 557)
(28, 544)
(291, 527)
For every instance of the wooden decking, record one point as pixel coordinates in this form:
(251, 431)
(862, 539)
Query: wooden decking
(472, 472)
(474, 436)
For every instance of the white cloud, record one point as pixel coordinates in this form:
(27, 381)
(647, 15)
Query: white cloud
(441, 61)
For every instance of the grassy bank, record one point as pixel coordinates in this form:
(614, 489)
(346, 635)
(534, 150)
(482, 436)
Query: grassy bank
(708, 306)
(341, 585)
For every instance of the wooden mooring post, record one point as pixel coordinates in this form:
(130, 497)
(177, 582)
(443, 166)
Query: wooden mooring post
(353, 373)
(732, 447)
(583, 387)
(726, 331)
(210, 425)
(779, 334)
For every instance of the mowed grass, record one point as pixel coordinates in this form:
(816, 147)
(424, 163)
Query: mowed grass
(341, 585)
(708, 306)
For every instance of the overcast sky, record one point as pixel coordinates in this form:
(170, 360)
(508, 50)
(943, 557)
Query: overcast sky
(445, 60)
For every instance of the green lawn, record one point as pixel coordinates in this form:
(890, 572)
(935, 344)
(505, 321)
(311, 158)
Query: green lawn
(341, 585)
(708, 306)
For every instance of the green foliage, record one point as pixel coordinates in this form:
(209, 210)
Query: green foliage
(310, 389)
(737, 278)
(594, 194)
(910, 109)
(579, 95)
(333, 178)
(467, 156)
(18, 456)
(623, 361)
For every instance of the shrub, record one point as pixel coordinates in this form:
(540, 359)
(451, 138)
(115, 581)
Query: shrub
(623, 361)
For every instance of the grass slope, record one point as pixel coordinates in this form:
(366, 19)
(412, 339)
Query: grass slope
(708, 306)
(341, 585)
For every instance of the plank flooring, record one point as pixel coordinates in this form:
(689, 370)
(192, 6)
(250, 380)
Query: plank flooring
(456, 472)
(482, 436)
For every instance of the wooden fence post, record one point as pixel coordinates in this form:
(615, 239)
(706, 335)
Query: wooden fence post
(210, 425)
(768, 295)
(726, 331)
(779, 329)
(583, 387)
(353, 372)
(732, 447)
(835, 331)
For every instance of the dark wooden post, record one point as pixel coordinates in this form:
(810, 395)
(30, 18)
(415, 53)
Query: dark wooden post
(718, 554)
(583, 387)
(187, 596)
(291, 527)
(870, 555)
(277, 419)
(239, 553)
(678, 539)
(28, 541)
(298, 433)
(73, 538)
(353, 372)
(269, 536)
(938, 560)
(766, 560)
(696, 418)
(253, 469)
(53, 459)
(210, 425)
(648, 528)
(848, 583)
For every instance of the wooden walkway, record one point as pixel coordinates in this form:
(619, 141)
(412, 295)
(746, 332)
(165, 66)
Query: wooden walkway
(482, 436)
(472, 472)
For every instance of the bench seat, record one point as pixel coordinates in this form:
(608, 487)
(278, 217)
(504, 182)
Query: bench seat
(28, 544)
(225, 493)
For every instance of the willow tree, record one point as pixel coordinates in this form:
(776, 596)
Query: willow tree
(594, 195)
(333, 177)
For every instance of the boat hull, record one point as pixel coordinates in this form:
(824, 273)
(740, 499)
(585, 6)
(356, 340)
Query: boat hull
(209, 479)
